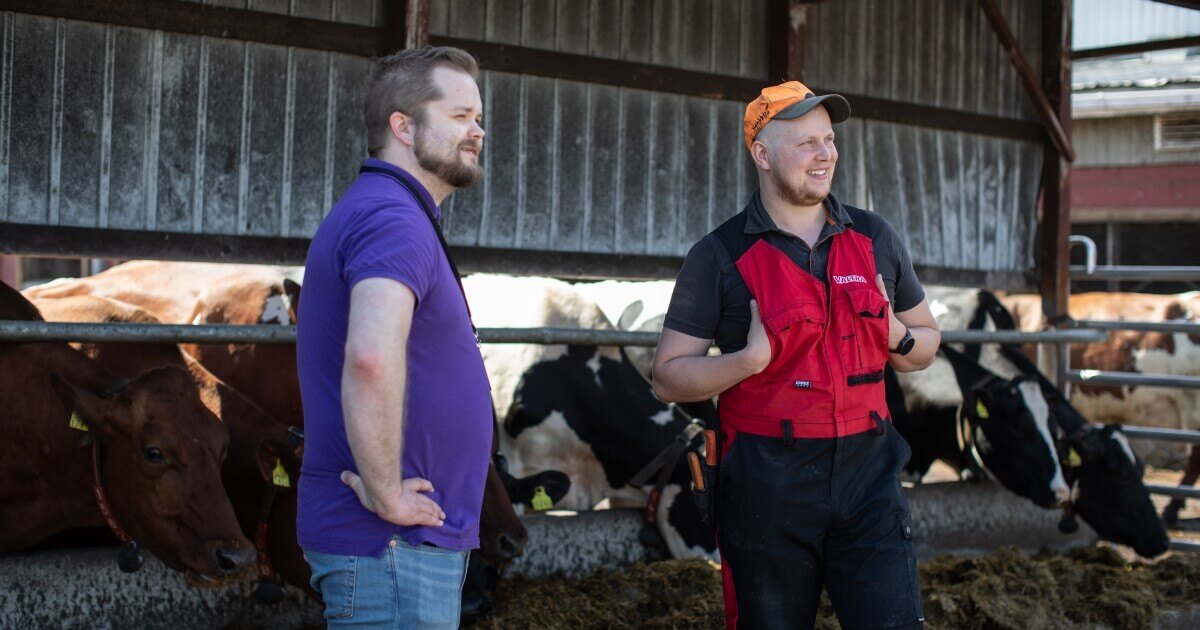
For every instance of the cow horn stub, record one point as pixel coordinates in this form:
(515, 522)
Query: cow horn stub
(130, 559)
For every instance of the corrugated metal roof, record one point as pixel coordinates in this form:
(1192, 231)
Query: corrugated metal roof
(1148, 71)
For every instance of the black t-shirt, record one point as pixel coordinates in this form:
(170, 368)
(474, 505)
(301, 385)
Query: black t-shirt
(711, 301)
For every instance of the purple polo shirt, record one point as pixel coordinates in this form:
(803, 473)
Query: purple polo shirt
(378, 230)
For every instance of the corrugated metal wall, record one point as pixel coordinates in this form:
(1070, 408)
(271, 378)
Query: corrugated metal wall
(959, 200)
(578, 167)
(1123, 142)
(109, 126)
(114, 127)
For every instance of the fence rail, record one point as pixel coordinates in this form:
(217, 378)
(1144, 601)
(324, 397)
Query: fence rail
(1165, 435)
(1190, 328)
(1178, 492)
(1136, 272)
(1096, 377)
(26, 331)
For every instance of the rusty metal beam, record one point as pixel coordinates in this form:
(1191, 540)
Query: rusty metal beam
(416, 23)
(1055, 228)
(1040, 103)
(1133, 49)
(785, 34)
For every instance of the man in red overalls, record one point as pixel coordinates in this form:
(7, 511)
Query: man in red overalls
(798, 292)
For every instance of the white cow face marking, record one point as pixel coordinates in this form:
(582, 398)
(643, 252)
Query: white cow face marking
(1120, 438)
(1031, 393)
(277, 310)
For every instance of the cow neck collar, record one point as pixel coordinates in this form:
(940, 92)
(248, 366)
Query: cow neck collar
(102, 498)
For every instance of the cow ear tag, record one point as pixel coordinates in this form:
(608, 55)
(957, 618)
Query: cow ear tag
(541, 501)
(279, 476)
(1073, 459)
(77, 423)
(980, 410)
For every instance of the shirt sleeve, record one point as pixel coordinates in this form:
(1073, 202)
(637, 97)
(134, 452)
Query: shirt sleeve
(696, 302)
(908, 292)
(392, 241)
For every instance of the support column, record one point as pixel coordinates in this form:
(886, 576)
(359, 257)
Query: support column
(1053, 248)
(785, 37)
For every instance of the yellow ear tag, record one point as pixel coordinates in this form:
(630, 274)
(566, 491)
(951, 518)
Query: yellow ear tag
(541, 500)
(77, 423)
(980, 410)
(1073, 459)
(280, 477)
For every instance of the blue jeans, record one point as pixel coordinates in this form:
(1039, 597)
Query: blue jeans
(405, 587)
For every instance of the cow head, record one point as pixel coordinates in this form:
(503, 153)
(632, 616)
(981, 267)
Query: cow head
(1108, 493)
(162, 451)
(1005, 424)
(1104, 472)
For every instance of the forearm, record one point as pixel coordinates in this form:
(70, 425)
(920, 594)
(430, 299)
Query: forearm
(925, 345)
(693, 378)
(373, 387)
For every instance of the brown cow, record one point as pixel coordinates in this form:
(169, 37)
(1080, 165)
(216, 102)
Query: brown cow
(256, 295)
(160, 451)
(258, 443)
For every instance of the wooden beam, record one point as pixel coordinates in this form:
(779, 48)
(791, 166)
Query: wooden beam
(1055, 228)
(194, 18)
(785, 34)
(416, 23)
(1133, 49)
(1040, 103)
(556, 65)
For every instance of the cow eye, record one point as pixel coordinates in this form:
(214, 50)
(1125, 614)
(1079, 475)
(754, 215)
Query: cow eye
(153, 455)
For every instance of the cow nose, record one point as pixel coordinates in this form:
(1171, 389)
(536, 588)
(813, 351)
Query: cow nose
(509, 547)
(232, 561)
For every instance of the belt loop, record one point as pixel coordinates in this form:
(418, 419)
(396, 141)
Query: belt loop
(788, 440)
(878, 430)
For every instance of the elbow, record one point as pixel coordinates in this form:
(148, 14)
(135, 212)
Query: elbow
(661, 390)
(364, 364)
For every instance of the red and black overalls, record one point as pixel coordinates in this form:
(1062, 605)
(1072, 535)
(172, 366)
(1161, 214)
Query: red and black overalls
(809, 494)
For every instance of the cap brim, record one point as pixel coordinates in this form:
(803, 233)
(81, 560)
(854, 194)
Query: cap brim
(837, 106)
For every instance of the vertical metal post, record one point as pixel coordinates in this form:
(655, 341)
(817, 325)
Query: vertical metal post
(1054, 249)
(785, 37)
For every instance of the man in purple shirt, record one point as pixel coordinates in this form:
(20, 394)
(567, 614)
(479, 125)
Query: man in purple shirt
(396, 398)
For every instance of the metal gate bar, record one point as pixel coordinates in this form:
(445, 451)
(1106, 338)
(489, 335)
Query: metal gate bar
(1136, 272)
(1190, 328)
(1165, 435)
(27, 331)
(1096, 377)
(1179, 492)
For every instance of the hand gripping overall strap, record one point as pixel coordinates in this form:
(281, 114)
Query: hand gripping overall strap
(437, 227)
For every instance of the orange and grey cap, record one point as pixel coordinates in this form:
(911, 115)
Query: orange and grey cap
(787, 100)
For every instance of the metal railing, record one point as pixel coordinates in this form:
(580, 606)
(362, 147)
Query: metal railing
(27, 331)
(1163, 435)
(1190, 328)
(1097, 377)
(1136, 272)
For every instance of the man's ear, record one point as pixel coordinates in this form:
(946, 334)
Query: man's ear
(97, 413)
(401, 125)
(758, 153)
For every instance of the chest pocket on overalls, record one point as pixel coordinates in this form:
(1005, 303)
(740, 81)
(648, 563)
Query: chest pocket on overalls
(866, 346)
(796, 378)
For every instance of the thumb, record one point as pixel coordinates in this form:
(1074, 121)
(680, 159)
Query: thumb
(754, 310)
(882, 287)
(354, 481)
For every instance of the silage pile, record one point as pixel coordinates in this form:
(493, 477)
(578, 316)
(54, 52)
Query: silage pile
(1005, 589)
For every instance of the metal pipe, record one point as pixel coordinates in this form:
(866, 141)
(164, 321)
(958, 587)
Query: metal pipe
(26, 331)
(1165, 435)
(1096, 377)
(1191, 328)
(1136, 272)
(1184, 545)
(1089, 247)
(1178, 492)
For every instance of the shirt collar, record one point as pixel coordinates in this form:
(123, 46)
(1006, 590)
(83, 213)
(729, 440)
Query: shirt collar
(406, 176)
(758, 220)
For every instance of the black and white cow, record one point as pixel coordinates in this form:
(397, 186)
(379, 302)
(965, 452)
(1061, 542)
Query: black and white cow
(582, 409)
(1007, 429)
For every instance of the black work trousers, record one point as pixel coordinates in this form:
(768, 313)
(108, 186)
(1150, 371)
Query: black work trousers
(820, 512)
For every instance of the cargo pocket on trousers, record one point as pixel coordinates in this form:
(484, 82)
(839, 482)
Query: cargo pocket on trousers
(914, 587)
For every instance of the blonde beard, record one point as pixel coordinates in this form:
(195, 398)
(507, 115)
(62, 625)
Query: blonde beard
(803, 196)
